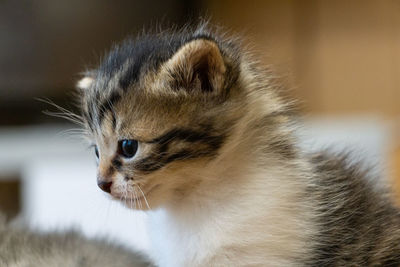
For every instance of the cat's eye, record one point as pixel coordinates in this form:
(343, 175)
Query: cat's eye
(127, 148)
(96, 152)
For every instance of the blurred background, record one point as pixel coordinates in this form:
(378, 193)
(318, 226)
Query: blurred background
(341, 59)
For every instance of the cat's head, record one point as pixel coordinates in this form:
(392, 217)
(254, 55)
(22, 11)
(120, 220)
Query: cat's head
(158, 109)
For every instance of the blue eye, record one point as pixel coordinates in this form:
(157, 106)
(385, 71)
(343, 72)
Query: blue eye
(96, 152)
(127, 148)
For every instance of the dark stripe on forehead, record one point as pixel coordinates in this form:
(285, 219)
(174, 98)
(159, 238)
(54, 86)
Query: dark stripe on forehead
(108, 105)
(131, 75)
(113, 119)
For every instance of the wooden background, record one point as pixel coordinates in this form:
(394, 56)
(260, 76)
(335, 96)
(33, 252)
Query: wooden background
(344, 55)
(340, 58)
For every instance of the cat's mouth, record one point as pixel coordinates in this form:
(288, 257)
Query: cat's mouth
(140, 197)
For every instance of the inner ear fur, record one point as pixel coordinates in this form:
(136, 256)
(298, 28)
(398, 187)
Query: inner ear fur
(198, 65)
(84, 83)
(87, 80)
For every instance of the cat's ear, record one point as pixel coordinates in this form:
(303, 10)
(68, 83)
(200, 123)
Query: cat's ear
(198, 65)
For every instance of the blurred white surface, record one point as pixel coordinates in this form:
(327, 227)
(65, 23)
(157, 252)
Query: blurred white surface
(59, 191)
(366, 139)
(59, 184)
(365, 136)
(21, 145)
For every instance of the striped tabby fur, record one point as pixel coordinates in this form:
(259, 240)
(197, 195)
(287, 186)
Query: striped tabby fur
(22, 248)
(218, 163)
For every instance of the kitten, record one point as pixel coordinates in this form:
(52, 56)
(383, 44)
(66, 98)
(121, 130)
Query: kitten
(186, 125)
(20, 247)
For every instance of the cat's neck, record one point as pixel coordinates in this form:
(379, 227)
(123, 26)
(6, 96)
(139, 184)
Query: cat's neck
(226, 210)
(242, 188)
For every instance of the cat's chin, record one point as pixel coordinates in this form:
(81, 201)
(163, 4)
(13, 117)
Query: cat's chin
(140, 201)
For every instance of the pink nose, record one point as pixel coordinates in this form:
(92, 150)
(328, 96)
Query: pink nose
(105, 186)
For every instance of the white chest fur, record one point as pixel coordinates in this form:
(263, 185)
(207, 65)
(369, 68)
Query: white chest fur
(180, 243)
(253, 226)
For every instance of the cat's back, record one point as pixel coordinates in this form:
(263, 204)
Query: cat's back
(20, 247)
(357, 222)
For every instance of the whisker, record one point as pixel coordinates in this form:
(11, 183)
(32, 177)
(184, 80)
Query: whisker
(131, 202)
(144, 197)
(73, 132)
(63, 112)
(137, 198)
(65, 116)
